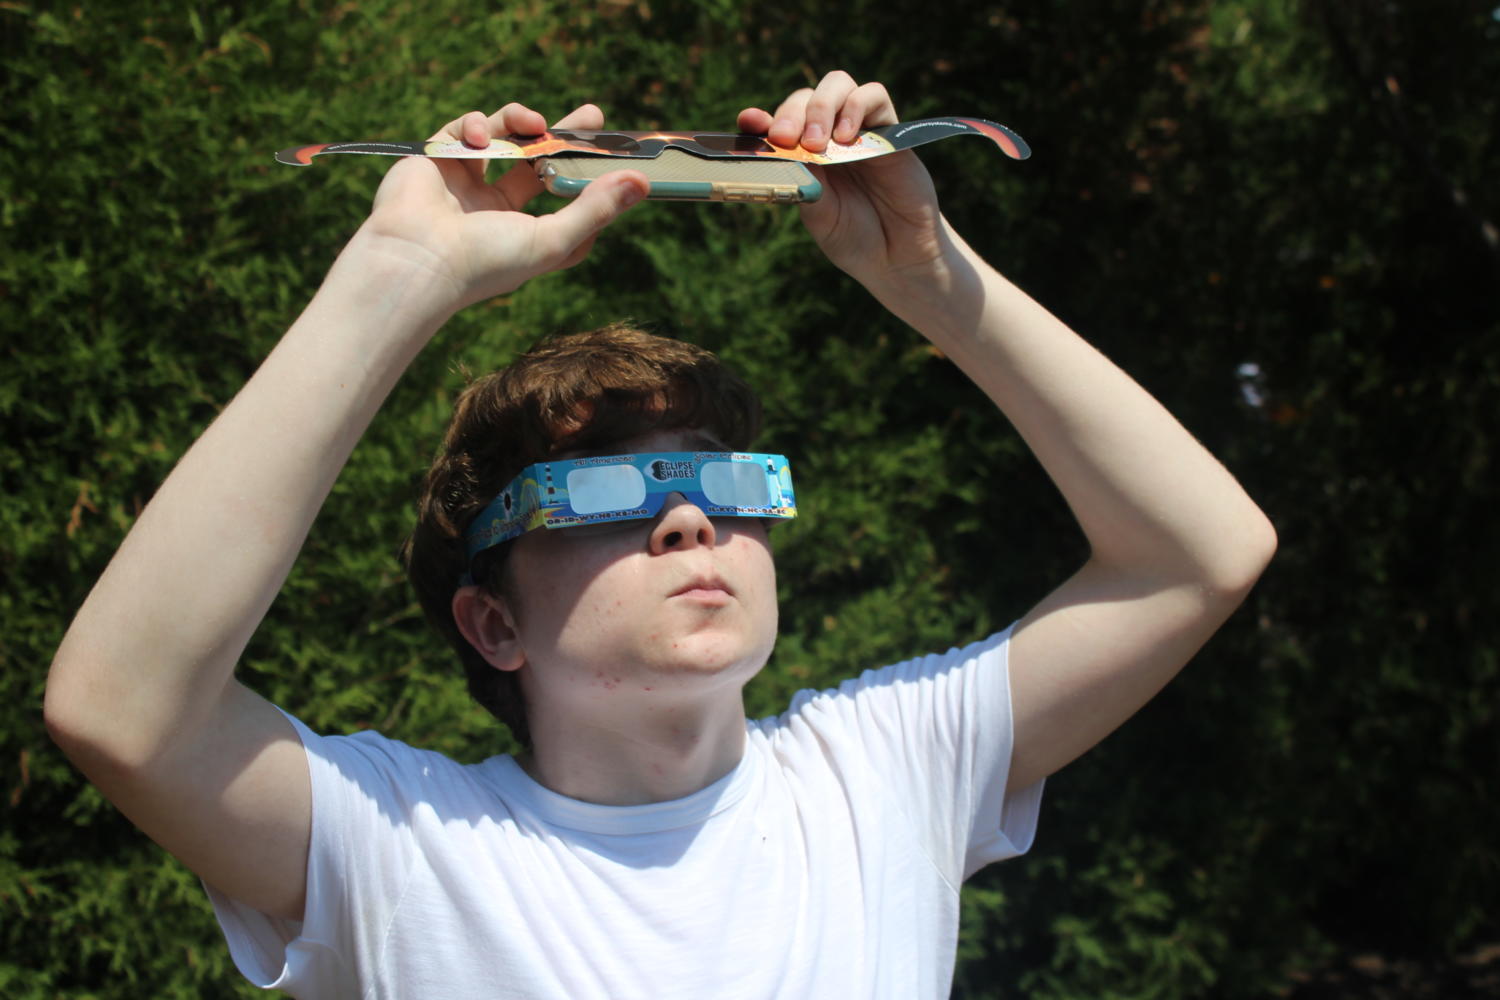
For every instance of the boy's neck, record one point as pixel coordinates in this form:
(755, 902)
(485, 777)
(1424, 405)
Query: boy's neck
(670, 754)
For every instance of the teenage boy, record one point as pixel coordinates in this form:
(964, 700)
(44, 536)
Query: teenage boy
(650, 843)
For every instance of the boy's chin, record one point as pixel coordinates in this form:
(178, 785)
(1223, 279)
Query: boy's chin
(709, 656)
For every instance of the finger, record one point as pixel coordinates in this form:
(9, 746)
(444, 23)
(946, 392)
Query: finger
(585, 116)
(475, 129)
(562, 237)
(754, 121)
(520, 184)
(786, 127)
(867, 106)
(823, 108)
(469, 129)
(454, 129)
(513, 119)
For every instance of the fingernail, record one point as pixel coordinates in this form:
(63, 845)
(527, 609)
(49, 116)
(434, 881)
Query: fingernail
(631, 195)
(845, 128)
(781, 125)
(813, 133)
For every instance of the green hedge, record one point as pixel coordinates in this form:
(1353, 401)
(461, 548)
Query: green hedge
(1214, 186)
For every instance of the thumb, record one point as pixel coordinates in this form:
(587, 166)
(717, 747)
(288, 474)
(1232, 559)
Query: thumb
(566, 234)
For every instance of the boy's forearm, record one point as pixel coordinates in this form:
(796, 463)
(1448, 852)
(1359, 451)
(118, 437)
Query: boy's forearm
(155, 644)
(1151, 500)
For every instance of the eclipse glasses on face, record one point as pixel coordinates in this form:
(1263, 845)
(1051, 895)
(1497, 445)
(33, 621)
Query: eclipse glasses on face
(571, 493)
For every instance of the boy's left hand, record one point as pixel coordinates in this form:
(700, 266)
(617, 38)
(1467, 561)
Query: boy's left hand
(472, 234)
(878, 220)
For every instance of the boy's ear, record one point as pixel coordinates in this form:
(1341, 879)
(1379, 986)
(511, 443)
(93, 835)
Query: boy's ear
(487, 622)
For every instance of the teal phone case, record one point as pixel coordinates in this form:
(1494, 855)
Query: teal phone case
(676, 175)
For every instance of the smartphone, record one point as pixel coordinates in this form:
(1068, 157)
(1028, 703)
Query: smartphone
(677, 175)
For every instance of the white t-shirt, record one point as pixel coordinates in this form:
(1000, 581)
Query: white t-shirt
(826, 864)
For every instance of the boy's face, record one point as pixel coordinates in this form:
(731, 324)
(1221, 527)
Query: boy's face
(643, 610)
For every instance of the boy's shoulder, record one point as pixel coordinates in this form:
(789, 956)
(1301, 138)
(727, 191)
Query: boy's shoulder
(391, 770)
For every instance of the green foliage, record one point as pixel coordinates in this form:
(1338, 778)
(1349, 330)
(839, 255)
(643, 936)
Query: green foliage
(1298, 186)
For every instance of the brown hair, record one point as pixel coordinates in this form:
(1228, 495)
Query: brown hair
(580, 392)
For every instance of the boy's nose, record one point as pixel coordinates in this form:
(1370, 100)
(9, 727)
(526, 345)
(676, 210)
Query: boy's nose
(680, 524)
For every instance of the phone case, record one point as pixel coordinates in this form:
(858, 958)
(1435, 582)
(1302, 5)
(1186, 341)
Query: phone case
(676, 175)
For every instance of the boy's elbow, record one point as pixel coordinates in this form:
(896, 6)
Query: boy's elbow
(91, 731)
(1262, 544)
(1246, 557)
(64, 711)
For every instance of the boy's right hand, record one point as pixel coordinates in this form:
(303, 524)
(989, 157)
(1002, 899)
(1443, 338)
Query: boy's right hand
(442, 215)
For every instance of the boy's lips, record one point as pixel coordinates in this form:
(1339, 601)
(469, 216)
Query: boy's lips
(703, 586)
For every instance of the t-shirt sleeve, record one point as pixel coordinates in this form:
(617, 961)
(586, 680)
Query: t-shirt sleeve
(935, 734)
(359, 860)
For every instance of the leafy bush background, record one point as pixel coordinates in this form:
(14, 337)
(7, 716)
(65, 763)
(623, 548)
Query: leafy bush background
(1302, 187)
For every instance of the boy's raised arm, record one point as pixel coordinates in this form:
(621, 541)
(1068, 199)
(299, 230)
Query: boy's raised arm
(1175, 542)
(141, 694)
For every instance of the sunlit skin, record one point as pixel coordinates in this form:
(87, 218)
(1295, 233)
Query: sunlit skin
(634, 641)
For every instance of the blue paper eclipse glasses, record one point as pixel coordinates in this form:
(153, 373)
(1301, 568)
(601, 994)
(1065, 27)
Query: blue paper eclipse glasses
(569, 493)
